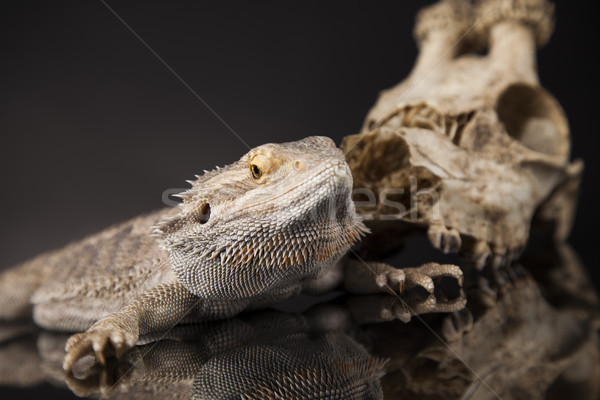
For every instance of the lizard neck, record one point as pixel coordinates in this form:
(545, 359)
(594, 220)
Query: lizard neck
(260, 257)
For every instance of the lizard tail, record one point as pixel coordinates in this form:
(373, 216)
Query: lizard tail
(17, 285)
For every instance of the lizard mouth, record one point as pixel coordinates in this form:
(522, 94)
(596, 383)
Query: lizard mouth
(337, 172)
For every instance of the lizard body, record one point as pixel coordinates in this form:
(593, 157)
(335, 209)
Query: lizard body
(271, 225)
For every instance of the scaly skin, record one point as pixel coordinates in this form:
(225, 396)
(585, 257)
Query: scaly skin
(273, 224)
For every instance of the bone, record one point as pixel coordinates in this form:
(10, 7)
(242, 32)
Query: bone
(492, 143)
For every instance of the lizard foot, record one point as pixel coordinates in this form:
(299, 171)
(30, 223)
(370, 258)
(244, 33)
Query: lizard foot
(97, 341)
(397, 280)
(424, 275)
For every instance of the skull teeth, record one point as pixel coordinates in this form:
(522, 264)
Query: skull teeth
(444, 239)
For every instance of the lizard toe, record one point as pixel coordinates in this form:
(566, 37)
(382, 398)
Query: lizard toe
(393, 280)
(121, 342)
(414, 277)
(97, 342)
(78, 346)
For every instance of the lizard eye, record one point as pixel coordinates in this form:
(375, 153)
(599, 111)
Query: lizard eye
(256, 171)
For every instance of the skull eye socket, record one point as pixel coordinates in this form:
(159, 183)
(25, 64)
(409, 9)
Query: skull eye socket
(256, 172)
(534, 118)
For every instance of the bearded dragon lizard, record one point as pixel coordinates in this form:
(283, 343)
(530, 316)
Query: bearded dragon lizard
(269, 226)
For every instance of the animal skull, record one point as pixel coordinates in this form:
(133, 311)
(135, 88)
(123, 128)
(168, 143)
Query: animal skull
(470, 146)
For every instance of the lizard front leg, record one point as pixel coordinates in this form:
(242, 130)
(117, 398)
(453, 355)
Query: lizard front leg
(374, 277)
(157, 310)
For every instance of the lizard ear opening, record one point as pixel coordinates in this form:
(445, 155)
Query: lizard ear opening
(204, 213)
(200, 215)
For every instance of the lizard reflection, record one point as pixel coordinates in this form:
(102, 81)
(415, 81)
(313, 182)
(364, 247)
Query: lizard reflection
(258, 355)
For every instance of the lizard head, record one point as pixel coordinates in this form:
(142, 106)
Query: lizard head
(281, 212)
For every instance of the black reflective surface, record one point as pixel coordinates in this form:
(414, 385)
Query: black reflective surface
(517, 337)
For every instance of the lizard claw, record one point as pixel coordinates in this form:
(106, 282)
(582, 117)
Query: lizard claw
(392, 279)
(97, 342)
(120, 343)
(399, 280)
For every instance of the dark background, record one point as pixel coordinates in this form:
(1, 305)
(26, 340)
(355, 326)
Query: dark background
(94, 127)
